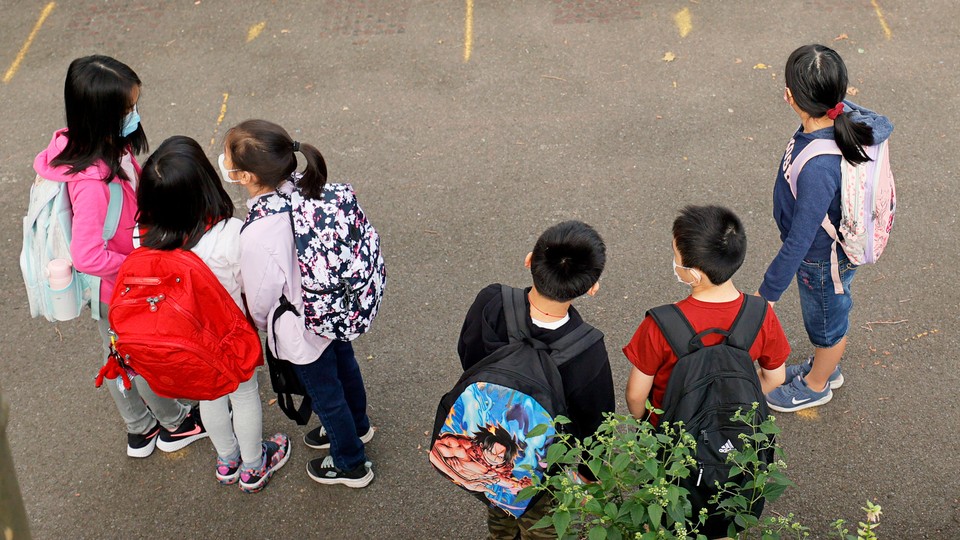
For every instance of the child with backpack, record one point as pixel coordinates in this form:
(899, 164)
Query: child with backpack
(732, 332)
(262, 157)
(94, 157)
(566, 263)
(808, 208)
(183, 206)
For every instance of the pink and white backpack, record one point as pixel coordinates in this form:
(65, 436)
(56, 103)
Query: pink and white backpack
(868, 201)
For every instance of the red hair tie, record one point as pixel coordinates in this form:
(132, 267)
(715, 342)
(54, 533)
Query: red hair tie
(835, 112)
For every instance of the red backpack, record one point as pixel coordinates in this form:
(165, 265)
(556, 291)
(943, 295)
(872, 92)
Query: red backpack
(178, 328)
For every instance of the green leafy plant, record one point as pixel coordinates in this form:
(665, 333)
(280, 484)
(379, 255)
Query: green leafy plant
(637, 492)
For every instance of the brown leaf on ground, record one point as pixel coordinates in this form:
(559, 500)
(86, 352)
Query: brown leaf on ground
(738, 60)
(272, 401)
(761, 66)
(669, 57)
(853, 90)
(841, 37)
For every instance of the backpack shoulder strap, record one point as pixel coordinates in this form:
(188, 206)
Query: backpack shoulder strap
(275, 203)
(749, 320)
(515, 313)
(675, 327)
(114, 207)
(574, 344)
(816, 148)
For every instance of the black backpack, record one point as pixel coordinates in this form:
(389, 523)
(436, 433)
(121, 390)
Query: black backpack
(486, 437)
(706, 387)
(284, 378)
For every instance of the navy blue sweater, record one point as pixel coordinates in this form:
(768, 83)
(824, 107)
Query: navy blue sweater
(818, 194)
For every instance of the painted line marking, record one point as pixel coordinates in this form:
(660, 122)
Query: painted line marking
(26, 45)
(684, 22)
(255, 30)
(883, 20)
(468, 32)
(223, 113)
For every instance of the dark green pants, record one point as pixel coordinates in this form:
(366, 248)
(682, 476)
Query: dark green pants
(503, 526)
(13, 517)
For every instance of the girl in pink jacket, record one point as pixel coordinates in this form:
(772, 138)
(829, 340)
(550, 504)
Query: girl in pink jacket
(97, 149)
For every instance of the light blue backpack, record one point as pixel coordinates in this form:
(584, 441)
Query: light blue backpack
(47, 232)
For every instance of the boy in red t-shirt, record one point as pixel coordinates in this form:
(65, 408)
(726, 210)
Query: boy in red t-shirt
(709, 245)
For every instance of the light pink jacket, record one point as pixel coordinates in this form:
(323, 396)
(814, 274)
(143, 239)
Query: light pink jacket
(269, 268)
(89, 196)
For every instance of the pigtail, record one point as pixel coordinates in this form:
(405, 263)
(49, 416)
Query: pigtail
(851, 137)
(315, 174)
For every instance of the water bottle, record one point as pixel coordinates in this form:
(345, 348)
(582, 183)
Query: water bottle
(63, 292)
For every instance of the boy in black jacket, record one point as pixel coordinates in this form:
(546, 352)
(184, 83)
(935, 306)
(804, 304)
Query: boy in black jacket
(566, 262)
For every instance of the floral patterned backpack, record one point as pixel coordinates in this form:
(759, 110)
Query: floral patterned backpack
(341, 266)
(868, 202)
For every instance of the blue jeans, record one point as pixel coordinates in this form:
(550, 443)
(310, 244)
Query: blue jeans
(335, 385)
(826, 315)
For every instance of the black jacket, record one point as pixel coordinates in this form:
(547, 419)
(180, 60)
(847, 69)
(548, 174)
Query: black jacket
(587, 379)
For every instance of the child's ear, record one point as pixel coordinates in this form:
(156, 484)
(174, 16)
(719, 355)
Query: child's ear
(593, 290)
(528, 260)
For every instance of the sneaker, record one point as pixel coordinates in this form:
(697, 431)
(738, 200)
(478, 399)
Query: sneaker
(323, 470)
(319, 439)
(796, 396)
(803, 368)
(190, 430)
(276, 451)
(228, 471)
(141, 446)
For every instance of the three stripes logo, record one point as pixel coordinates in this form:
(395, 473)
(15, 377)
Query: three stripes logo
(726, 448)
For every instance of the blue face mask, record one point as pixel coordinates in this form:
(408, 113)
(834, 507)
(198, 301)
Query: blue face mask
(130, 122)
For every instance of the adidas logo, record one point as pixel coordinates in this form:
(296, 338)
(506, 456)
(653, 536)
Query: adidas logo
(727, 447)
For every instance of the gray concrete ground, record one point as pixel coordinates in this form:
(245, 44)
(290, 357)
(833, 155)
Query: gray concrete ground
(563, 109)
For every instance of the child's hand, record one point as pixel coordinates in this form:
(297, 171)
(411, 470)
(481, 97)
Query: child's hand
(768, 301)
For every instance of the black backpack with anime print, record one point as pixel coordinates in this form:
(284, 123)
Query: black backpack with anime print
(342, 273)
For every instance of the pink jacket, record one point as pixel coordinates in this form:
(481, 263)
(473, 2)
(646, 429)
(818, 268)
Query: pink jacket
(269, 268)
(89, 196)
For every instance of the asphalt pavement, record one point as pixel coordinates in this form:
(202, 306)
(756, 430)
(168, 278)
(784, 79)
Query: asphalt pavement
(467, 128)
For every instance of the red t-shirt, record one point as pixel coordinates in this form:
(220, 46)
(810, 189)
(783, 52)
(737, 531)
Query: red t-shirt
(649, 351)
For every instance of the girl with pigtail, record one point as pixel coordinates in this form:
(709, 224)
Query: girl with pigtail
(262, 157)
(816, 87)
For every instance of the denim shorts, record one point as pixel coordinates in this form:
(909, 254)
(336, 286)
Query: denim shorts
(826, 315)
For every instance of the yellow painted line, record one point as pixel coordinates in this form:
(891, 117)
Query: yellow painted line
(684, 22)
(26, 45)
(883, 20)
(468, 32)
(809, 414)
(255, 30)
(223, 113)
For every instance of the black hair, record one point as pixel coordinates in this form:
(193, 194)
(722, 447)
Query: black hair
(179, 196)
(96, 96)
(712, 240)
(266, 150)
(817, 79)
(486, 438)
(567, 260)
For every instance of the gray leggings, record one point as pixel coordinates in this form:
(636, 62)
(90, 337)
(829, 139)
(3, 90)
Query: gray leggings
(139, 406)
(242, 436)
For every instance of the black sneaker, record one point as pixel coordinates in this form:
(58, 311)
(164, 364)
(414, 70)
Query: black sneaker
(191, 429)
(318, 438)
(323, 470)
(141, 446)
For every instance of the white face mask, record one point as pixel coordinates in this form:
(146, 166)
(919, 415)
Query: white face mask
(225, 172)
(691, 270)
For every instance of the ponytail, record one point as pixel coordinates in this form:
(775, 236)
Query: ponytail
(851, 137)
(817, 79)
(315, 174)
(267, 150)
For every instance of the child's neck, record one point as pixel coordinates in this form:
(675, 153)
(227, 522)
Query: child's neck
(544, 309)
(708, 292)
